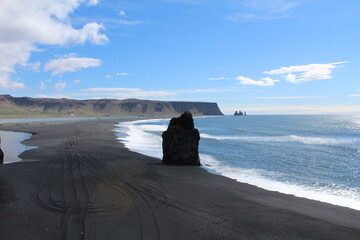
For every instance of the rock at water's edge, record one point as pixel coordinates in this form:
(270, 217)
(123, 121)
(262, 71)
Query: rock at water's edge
(181, 142)
(1, 156)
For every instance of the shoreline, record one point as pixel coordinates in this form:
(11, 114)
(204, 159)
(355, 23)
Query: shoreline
(200, 204)
(138, 137)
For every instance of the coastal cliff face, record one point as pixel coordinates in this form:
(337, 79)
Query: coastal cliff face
(28, 107)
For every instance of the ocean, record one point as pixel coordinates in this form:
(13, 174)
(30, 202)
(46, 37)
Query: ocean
(11, 145)
(311, 156)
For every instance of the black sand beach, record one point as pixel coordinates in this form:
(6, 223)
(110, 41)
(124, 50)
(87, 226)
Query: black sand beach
(81, 183)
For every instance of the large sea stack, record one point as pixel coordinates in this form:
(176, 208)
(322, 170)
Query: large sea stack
(181, 142)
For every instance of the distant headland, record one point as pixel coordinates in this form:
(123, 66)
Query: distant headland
(48, 107)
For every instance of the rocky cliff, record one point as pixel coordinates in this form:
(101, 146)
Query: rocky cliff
(37, 107)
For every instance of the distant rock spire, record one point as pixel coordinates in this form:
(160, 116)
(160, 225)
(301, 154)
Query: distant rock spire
(239, 113)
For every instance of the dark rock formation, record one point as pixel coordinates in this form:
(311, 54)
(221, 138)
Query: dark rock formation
(181, 142)
(1, 154)
(240, 113)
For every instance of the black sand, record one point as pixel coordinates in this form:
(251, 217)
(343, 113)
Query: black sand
(82, 184)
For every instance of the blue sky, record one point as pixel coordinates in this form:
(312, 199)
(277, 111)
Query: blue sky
(261, 56)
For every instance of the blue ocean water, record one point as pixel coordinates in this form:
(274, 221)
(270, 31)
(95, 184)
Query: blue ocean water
(11, 145)
(311, 156)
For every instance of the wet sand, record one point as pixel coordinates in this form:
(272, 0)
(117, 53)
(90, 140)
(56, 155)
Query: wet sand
(81, 183)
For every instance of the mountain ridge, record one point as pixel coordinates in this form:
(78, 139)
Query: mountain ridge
(51, 107)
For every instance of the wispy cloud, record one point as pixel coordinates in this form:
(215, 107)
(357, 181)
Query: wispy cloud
(58, 96)
(71, 64)
(43, 84)
(263, 10)
(76, 81)
(59, 86)
(92, 2)
(124, 74)
(110, 90)
(299, 109)
(125, 22)
(219, 78)
(355, 95)
(306, 73)
(292, 97)
(122, 13)
(271, 6)
(121, 74)
(123, 93)
(264, 82)
(116, 21)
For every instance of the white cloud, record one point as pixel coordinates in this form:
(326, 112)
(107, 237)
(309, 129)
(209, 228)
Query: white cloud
(127, 93)
(34, 66)
(24, 25)
(219, 78)
(123, 21)
(93, 2)
(271, 6)
(59, 86)
(243, 17)
(119, 74)
(122, 13)
(306, 73)
(299, 109)
(51, 96)
(354, 95)
(77, 81)
(71, 64)
(43, 84)
(264, 82)
(123, 93)
(263, 10)
(7, 84)
(292, 97)
(123, 74)
(109, 90)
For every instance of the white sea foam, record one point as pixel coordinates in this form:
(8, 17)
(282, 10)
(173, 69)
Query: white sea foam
(285, 138)
(153, 128)
(336, 195)
(138, 140)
